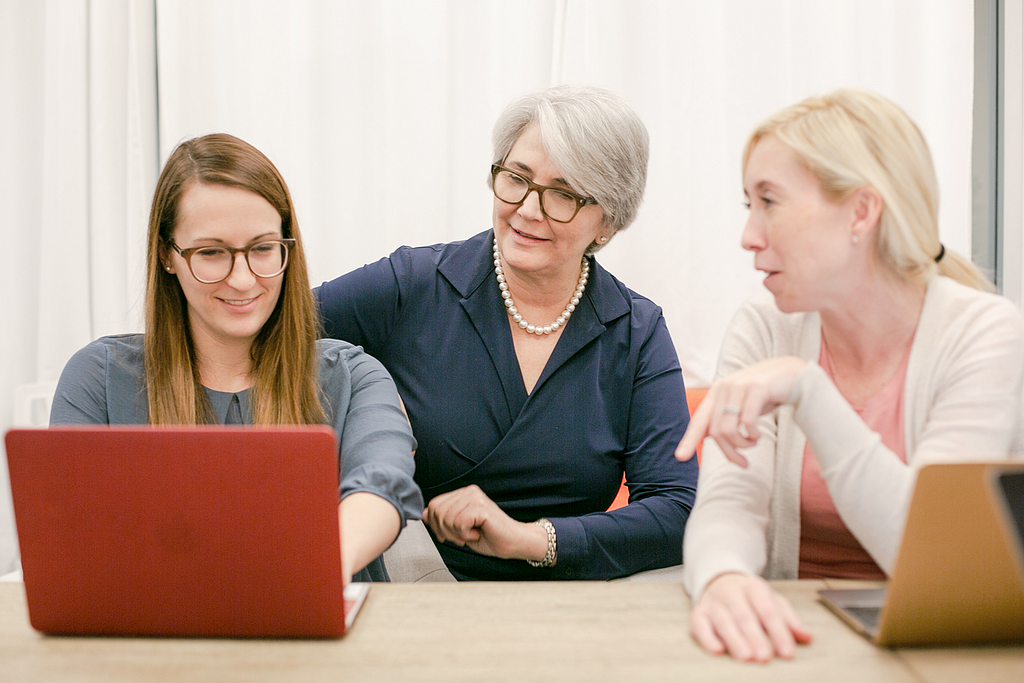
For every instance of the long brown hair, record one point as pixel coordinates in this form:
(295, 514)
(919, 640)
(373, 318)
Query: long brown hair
(284, 360)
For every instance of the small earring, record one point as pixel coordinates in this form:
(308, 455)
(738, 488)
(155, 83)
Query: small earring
(856, 239)
(169, 269)
(602, 239)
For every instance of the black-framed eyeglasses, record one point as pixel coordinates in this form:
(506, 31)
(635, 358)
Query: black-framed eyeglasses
(212, 264)
(557, 203)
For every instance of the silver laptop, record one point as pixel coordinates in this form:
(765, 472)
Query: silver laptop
(955, 578)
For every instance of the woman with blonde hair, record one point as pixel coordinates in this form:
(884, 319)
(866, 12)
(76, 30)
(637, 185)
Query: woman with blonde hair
(878, 352)
(231, 338)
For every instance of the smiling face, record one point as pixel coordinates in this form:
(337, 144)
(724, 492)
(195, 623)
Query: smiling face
(232, 311)
(803, 241)
(532, 244)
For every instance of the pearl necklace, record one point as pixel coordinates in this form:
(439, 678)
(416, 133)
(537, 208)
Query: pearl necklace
(511, 307)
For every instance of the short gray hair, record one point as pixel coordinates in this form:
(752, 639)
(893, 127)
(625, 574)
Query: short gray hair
(594, 138)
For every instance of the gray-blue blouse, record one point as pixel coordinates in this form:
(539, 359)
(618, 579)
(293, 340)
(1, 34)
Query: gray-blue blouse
(104, 383)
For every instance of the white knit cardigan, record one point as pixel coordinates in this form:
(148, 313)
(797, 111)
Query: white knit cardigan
(962, 402)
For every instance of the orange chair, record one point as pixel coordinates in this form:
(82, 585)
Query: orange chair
(693, 399)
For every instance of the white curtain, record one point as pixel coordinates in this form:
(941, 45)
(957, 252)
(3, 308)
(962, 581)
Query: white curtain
(379, 116)
(79, 151)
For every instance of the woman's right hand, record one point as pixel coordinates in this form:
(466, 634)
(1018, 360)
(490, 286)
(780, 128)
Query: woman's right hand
(747, 618)
(733, 404)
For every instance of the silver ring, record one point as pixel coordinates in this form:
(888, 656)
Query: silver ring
(729, 410)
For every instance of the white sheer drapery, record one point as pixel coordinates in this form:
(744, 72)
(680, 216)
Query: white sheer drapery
(379, 116)
(79, 150)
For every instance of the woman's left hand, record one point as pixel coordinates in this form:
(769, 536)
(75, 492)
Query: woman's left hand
(733, 404)
(467, 517)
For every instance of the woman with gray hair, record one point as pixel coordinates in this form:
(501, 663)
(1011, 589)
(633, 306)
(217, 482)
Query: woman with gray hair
(534, 379)
(877, 352)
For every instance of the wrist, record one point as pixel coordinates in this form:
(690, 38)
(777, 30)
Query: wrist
(800, 367)
(546, 555)
(721, 582)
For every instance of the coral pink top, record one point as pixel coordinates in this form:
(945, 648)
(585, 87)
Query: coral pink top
(827, 548)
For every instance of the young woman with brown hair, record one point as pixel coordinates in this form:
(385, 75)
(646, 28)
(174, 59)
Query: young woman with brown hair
(231, 337)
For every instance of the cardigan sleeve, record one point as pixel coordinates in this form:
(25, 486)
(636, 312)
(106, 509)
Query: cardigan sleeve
(728, 527)
(964, 406)
(647, 533)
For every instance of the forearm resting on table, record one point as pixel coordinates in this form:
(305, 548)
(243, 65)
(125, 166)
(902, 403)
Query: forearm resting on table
(369, 524)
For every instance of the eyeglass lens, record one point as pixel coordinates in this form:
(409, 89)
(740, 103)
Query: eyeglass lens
(512, 188)
(213, 264)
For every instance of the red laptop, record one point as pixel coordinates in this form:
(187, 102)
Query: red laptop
(198, 531)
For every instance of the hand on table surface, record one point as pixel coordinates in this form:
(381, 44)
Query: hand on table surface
(468, 517)
(744, 616)
(729, 412)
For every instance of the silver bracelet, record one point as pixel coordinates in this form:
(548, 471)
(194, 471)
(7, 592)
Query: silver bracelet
(552, 555)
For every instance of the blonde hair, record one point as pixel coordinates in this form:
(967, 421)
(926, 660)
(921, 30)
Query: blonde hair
(284, 360)
(854, 138)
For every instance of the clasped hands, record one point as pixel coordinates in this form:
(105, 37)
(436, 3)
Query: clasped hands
(468, 517)
(738, 614)
(730, 410)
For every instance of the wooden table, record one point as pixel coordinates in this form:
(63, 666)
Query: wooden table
(494, 632)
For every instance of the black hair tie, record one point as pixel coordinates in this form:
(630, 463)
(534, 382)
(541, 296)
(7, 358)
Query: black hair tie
(942, 252)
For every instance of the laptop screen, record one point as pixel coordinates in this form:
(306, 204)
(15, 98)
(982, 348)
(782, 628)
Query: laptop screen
(1010, 486)
(203, 531)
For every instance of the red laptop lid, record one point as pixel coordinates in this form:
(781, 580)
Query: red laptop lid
(203, 531)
